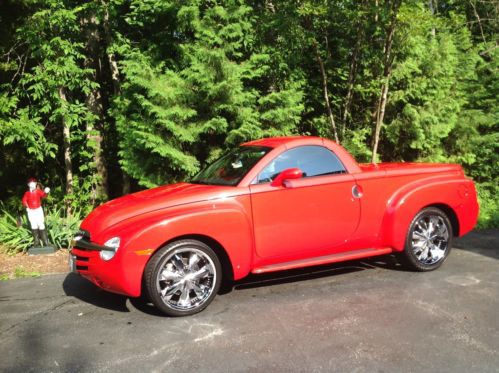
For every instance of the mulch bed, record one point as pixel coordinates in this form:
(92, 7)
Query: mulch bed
(33, 264)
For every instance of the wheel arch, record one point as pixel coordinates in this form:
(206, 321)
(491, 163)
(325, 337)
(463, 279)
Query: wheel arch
(223, 256)
(451, 214)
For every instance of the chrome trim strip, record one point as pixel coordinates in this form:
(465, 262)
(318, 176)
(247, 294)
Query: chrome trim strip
(87, 245)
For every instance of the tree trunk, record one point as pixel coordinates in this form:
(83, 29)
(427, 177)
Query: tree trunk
(479, 21)
(387, 70)
(352, 74)
(115, 73)
(380, 115)
(348, 98)
(66, 144)
(326, 94)
(269, 5)
(433, 8)
(111, 58)
(94, 138)
(115, 79)
(126, 188)
(95, 105)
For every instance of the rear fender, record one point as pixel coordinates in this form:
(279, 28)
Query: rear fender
(457, 194)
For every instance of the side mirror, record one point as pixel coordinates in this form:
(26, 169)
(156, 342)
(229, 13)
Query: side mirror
(287, 174)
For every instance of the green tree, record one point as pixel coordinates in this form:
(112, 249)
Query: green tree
(175, 115)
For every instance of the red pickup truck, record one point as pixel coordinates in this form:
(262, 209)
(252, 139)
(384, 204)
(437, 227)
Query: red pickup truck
(271, 205)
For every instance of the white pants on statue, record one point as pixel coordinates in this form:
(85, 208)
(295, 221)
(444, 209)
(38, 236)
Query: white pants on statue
(36, 218)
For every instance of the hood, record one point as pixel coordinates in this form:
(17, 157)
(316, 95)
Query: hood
(117, 210)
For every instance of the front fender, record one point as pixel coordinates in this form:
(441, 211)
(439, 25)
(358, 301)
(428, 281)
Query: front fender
(457, 194)
(227, 221)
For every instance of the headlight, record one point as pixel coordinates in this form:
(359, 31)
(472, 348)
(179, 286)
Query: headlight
(114, 244)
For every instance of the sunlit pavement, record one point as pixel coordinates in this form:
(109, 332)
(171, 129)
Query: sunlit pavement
(358, 316)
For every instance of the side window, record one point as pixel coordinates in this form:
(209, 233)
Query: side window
(312, 160)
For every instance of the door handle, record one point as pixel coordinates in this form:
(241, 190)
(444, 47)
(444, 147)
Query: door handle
(357, 191)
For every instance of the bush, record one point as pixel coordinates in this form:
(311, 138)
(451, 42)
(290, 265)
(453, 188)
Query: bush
(14, 238)
(489, 206)
(60, 228)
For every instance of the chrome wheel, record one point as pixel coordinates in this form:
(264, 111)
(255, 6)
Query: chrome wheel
(186, 279)
(430, 239)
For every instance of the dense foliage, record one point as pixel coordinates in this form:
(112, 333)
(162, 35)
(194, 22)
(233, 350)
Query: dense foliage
(101, 97)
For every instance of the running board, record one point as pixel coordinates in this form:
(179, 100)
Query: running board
(333, 258)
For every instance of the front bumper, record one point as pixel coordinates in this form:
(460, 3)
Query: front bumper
(122, 274)
(84, 259)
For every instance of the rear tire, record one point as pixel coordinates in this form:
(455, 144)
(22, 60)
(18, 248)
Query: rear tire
(428, 241)
(183, 277)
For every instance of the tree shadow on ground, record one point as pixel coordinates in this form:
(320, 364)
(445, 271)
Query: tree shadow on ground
(484, 242)
(34, 341)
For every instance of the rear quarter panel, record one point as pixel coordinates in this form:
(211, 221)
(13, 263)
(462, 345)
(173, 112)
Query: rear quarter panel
(448, 191)
(392, 198)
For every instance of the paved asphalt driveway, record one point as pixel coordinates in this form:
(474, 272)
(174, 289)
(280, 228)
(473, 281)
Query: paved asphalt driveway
(360, 316)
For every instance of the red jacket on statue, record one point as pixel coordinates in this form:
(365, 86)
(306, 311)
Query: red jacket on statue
(32, 199)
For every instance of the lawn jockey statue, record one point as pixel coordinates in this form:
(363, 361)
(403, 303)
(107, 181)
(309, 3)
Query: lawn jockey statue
(32, 201)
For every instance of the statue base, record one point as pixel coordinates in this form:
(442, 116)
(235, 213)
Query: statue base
(41, 250)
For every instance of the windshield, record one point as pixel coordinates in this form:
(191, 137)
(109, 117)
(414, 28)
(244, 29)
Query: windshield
(232, 167)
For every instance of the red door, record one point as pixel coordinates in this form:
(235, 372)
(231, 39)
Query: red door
(309, 216)
(304, 218)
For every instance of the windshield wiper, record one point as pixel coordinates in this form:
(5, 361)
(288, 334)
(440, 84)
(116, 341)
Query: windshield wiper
(200, 182)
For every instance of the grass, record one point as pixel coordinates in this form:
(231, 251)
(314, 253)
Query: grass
(19, 272)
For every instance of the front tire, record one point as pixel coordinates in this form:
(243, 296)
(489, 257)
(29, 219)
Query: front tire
(428, 241)
(183, 277)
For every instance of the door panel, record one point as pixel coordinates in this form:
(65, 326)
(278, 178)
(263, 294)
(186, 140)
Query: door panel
(307, 216)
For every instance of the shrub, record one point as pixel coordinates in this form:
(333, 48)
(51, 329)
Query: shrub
(489, 206)
(14, 238)
(61, 228)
